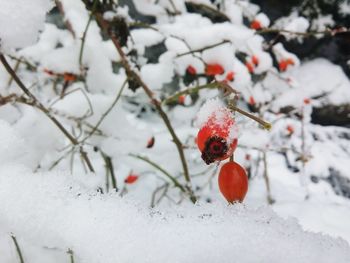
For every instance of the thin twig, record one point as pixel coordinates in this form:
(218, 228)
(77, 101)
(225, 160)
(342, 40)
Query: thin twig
(85, 33)
(19, 253)
(138, 24)
(158, 189)
(167, 174)
(214, 85)
(104, 115)
(304, 34)
(203, 48)
(270, 200)
(109, 169)
(40, 106)
(71, 255)
(60, 159)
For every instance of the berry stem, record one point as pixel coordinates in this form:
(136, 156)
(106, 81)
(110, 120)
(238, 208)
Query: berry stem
(232, 159)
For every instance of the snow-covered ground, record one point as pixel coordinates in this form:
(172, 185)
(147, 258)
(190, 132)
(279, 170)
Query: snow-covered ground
(53, 205)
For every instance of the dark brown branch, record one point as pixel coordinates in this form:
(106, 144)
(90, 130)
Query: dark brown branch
(67, 22)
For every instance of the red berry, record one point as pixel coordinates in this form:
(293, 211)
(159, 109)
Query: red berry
(213, 138)
(230, 76)
(181, 99)
(214, 69)
(290, 61)
(284, 63)
(191, 70)
(132, 178)
(68, 77)
(307, 101)
(150, 142)
(290, 129)
(255, 60)
(233, 182)
(255, 24)
(249, 66)
(252, 100)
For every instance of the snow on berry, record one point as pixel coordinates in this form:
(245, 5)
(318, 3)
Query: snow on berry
(260, 21)
(284, 58)
(217, 137)
(209, 108)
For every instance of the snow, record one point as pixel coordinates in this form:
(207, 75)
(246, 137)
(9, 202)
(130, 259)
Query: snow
(299, 24)
(56, 211)
(156, 75)
(344, 8)
(21, 21)
(52, 204)
(282, 54)
(292, 23)
(337, 87)
(147, 37)
(209, 108)
(263, 19)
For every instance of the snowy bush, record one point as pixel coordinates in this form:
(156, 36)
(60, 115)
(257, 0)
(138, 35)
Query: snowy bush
(102, 158)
